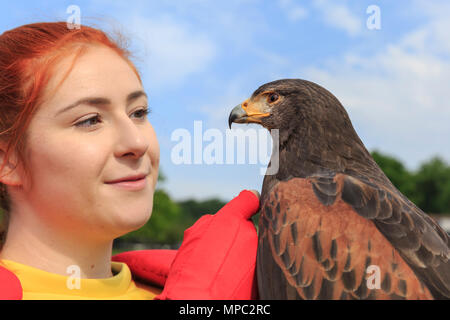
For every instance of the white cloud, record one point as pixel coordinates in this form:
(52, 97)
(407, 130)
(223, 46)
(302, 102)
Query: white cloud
(172, 51)
(398, 98)
(338, 15)
(293, 11)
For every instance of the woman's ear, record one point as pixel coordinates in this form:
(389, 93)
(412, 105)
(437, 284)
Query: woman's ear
(9, 173)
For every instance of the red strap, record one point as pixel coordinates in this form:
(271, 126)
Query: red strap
(10, 287)
(150, 266)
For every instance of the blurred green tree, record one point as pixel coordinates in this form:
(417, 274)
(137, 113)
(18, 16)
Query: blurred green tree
(166, 225)
(170, 219)
(428, 187)
(432, 186)
(400, 177)
(195, 209)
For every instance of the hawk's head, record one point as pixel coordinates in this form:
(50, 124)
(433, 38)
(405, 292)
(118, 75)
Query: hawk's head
(291, 103)
(315, 131)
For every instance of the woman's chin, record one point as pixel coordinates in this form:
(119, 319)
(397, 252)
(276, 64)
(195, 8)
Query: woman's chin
(118, 220)
(132, 223)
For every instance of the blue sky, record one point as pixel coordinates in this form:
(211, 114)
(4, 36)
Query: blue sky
(198, 59)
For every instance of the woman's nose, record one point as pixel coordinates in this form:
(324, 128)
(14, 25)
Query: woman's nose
(132, 140)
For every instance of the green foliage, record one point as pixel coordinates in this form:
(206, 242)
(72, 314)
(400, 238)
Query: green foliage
(397, 173)
(195, 209)
(433, 186)
(166, 224)
(428, 187)
(170, 219)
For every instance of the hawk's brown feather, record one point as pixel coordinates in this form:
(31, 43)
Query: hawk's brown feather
(324, 250)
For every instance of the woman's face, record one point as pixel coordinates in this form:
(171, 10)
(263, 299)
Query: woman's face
(92, 130)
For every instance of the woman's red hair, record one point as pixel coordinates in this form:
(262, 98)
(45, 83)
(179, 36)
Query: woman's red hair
(28, 57)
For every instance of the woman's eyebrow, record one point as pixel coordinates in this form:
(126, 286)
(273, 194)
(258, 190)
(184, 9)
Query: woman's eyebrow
(100, 101)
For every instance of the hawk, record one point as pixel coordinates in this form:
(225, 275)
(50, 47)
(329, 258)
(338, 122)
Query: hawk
(329, 215)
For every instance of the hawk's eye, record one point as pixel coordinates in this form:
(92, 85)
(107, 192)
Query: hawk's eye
(273, 97)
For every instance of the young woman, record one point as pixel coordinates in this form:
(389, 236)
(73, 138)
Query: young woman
(79, 164)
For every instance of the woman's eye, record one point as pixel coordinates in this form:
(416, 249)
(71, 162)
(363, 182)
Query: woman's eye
(92, 121)
(89, 122)
(142, 113)
(273, 97)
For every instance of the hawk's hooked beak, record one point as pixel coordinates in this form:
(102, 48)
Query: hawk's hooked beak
(248, 112)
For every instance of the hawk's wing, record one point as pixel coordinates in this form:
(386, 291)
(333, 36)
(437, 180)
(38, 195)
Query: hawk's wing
(319, 235)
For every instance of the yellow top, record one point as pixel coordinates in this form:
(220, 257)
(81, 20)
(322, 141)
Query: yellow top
(41, 285)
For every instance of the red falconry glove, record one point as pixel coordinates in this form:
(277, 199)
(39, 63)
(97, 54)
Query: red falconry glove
(148, 266)
(217, 257)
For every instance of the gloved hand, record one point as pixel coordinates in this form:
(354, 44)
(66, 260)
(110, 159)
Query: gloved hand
(148, 266)
(217, 257)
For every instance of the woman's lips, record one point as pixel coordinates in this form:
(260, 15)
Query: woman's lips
(131, 184)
